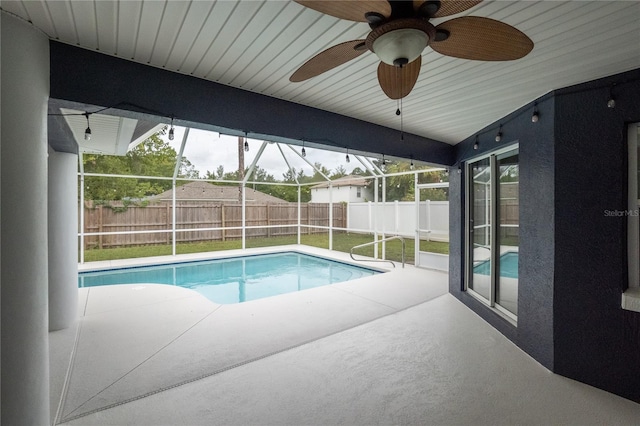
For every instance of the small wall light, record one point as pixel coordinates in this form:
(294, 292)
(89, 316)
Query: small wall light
(535, 116)
(611, 103)
(87, 132)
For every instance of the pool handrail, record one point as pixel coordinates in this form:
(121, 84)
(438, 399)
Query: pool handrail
(395, 237)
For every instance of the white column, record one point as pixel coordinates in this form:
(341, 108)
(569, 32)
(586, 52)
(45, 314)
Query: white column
(81, 206)
(244, 217)
(330, 216)
(384, 208)
(299, 212)
(416, 241)
(428, 208)
(63, 243)
(396, 215)
(23, 142)
(375, 218)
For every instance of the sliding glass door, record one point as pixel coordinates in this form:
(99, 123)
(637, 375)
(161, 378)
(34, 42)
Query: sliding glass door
(508, 185)
(480, 248)
(492, 241)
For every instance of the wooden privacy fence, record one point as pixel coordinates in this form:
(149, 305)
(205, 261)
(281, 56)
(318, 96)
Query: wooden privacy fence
(197, 216)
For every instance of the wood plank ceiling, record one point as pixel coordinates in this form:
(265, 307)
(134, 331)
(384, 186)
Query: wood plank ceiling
(257, 45)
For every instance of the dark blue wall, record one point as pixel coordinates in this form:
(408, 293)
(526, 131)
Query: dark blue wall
(573, 268)
(534, 332)
(84, 78)
(594, 337)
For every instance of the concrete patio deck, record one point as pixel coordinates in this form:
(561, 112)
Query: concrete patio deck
(389, 349)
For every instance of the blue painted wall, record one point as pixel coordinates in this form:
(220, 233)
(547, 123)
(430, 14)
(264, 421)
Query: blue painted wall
(594, 337)
(88, 80)
(573, 266)
(535, 302)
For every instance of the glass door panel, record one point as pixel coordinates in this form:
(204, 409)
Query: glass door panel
(493, 238)
(508, 231)
(480, 228)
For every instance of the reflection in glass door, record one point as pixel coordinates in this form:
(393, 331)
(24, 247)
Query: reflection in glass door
(493, 230)
(480, 228)
(508, 233)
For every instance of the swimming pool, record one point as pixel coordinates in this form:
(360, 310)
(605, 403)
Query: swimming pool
(238, 279)
(508, 265)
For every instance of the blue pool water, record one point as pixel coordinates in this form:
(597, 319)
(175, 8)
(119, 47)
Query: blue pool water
(236, 280)
(508, 265)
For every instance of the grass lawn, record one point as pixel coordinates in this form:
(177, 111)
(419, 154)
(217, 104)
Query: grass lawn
(341, 242)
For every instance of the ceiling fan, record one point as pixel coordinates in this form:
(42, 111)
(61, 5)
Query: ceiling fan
(400, 31)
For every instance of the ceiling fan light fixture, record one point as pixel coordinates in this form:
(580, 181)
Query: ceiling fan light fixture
(401, 46)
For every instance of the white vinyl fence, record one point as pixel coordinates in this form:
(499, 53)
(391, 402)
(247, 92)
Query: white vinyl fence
(400, 217)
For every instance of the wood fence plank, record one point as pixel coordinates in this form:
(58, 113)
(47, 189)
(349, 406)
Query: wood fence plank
(202, 215)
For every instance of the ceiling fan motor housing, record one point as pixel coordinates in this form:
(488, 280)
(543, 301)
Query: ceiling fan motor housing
(400, 41)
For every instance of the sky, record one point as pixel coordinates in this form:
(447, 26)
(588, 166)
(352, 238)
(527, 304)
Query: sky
(207, 150)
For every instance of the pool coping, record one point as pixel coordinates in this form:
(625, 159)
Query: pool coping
(228, 254)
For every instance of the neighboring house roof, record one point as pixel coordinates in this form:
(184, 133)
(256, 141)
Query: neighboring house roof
(349, 180)
(204, 191)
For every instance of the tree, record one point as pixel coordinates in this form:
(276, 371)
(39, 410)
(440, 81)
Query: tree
(434, 194)
(339, 172)
(318, 171)
(217, 175)
(286, 193)
(357, 171)
(290, 176)
(153, 157)
(402, 187)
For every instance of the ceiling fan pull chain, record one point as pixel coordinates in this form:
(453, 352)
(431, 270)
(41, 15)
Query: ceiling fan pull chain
(398, 112)
(401, 107)
(401, 123)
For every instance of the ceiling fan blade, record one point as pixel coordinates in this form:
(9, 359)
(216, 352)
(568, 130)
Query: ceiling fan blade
(329, 59)
(482, 39)
(398, 82)
(447, 7)
(350, 10)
